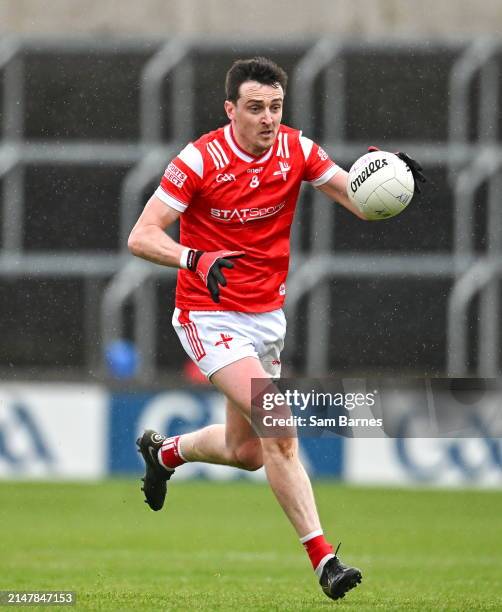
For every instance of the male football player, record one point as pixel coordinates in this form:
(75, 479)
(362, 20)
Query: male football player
(235, 191)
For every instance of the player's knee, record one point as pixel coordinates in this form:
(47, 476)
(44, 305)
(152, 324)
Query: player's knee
(249, 455)
(285, 448)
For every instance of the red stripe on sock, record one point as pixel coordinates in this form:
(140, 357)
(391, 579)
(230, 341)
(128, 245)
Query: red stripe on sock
(317, 548)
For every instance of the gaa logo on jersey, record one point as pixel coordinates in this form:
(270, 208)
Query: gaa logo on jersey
(224, 178)
(282, 289)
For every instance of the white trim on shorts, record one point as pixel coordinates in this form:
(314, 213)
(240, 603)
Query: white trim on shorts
(234, 359)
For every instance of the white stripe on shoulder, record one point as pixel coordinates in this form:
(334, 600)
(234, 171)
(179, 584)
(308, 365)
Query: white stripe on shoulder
(279, 145)
(192, 157)
(213, 157)
(324, 178)
(286, 147)
(215, 154)
(307, 145)
(169, 200)
(220, 149)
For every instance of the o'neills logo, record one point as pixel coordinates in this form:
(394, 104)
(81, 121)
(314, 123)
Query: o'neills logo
(245, 214)
(370, 169)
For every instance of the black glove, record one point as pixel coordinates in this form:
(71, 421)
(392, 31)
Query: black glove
(413, 165)
(416, 169)
(207, 265)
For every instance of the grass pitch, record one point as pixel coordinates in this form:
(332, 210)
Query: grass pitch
(227, 546)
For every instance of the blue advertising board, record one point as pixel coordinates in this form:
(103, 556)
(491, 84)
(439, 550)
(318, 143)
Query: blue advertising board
(176, 412)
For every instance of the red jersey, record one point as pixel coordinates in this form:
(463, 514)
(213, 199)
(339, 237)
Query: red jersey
(231, 200)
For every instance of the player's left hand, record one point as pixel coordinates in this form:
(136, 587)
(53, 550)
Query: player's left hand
(208, 266)
(413, 165)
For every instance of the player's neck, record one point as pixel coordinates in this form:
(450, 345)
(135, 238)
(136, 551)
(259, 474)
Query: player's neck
(246, 146)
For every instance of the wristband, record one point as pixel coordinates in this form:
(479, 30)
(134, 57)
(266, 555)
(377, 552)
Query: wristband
(184, 258)
(192, 259)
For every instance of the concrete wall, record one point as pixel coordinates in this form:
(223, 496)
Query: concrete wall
(282, 18)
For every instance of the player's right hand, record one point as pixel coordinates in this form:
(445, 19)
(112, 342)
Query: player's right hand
(208, 266)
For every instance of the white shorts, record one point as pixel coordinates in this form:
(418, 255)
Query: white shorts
(214, 339)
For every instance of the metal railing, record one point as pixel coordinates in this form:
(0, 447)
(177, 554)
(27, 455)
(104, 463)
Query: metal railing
(476, 278)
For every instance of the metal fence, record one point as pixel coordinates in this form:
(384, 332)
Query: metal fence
(471, 161)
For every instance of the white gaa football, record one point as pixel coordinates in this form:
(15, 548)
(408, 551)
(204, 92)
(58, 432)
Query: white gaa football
(380, 184)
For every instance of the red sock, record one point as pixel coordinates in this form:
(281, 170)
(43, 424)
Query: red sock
(169, 453)
(318, 549)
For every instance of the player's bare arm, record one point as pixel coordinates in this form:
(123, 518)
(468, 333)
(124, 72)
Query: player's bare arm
(149, 241)
(148, 238)
(336, 189)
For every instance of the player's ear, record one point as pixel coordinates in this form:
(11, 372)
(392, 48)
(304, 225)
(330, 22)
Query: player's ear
(230, 109)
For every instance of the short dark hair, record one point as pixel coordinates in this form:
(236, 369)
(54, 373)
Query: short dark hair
(260, 69)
